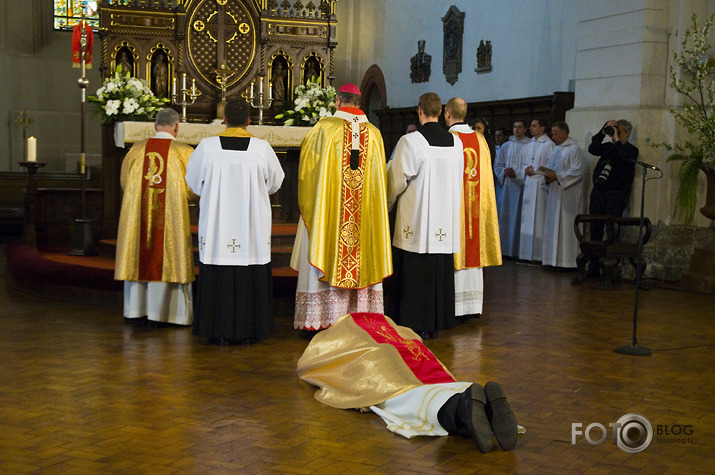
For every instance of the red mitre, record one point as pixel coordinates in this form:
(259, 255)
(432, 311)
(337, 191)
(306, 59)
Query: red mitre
(350, 89)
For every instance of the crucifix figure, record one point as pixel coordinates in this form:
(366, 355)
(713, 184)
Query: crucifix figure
(223, 73)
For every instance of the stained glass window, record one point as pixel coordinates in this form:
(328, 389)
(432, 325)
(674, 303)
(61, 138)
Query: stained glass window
(69, 12)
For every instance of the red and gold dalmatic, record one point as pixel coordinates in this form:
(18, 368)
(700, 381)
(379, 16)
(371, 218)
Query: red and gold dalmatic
(154, 238)
(479, 222)
(341, 362)
(344, 206)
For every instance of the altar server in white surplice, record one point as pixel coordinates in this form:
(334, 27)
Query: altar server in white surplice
(234, 174)
(566, 197)
(533, 202)
(511, 156)
(424, 182)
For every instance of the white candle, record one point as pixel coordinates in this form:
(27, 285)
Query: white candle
(183, 83)
(31, 149)
(270, 91)
(173, 85)
(252, 94)
(193, 86)
(260, 86)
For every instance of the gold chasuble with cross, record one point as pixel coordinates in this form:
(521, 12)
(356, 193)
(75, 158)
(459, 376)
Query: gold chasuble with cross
(154, 237)
(479, 244)
(341, 196)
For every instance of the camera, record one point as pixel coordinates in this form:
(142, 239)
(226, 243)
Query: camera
(608, 130)
(605, 173)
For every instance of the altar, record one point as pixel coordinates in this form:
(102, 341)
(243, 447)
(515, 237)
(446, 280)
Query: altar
(127, 133)
(118, 138)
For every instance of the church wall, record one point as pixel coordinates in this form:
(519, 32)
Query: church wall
(40, 79)
(385, 32)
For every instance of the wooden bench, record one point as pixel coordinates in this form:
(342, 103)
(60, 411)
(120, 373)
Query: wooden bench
(609, 251)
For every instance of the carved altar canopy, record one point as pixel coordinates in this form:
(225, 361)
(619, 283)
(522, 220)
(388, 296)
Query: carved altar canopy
(274, 45)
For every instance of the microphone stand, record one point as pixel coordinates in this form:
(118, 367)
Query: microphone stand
(634, 348)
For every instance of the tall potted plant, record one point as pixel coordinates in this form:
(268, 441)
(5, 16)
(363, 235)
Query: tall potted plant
(693, 76)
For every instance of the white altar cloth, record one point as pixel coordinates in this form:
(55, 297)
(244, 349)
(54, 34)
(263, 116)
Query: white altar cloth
(190, 133)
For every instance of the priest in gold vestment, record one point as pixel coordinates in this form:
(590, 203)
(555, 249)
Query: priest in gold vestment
(154, 251)
(479, 244)
(342, 249)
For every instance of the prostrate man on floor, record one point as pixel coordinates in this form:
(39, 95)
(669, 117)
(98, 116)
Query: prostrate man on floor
(424, 181)
(511, 156)
(564, 181)
(234, 174)
(479, 224)
(366, 361)
(342, 247)
(154, 254)
(533, 202)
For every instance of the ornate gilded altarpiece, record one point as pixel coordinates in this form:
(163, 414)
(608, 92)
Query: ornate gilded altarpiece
(278, 44)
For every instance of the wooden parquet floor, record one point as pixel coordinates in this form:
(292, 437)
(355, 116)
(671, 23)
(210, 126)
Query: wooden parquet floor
(82, 392)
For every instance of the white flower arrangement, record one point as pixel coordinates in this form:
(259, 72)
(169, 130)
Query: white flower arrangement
(311, 104)
(122, 97)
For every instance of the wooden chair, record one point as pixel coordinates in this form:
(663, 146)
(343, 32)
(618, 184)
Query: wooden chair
(609, 251)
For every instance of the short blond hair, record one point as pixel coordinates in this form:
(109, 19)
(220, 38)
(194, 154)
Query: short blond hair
(431, 104)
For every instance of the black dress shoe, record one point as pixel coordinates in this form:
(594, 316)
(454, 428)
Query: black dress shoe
(501, 417)
(138, 322)
(472, 415)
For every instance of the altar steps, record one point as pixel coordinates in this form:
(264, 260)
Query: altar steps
(282, 238)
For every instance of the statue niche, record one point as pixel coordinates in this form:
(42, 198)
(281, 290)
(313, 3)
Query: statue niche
(160, 74)
(280, 80)
(125, 59)
(312, 70)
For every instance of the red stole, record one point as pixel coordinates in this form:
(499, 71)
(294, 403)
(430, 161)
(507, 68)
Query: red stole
(153, 206)
(421, 361)
(471, 197)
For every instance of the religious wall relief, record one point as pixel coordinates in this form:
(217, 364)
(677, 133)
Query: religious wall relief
(452, 52)
(420, 64)
(484, 57)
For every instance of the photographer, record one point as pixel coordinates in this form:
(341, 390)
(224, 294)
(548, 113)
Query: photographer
(612, 177)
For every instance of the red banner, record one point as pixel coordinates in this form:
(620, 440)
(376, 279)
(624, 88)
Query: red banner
(153, 206)
(421, 361)
(77, 46)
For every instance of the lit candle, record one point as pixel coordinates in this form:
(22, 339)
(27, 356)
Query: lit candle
(270, 91)
(260, 86)
(193, 86)
(183, 83)
(252, 94)
(31, 149)
(173, 85)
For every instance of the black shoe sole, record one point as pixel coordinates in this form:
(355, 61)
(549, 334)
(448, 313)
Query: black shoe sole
(500, 415)
(471, 412)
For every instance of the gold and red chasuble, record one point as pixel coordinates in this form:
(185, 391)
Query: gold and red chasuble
(365, 358)
(341, 195)
(153, 206)
(479, 222)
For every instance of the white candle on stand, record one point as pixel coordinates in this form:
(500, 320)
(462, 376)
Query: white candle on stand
(173, 85)
(183, 83)
(260, 86)
(31, 149)
(252, 93)
(270, 91)
(193, 86)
